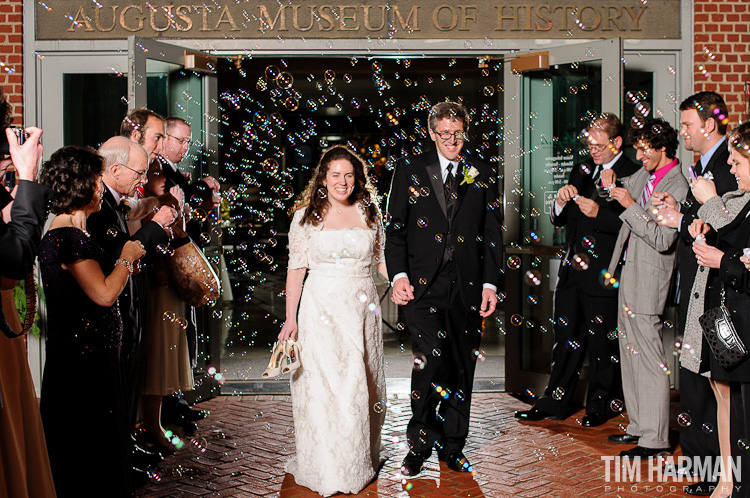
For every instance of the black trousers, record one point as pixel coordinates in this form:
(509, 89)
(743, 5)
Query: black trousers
(582, 326)
(445, 337)
(698, 401)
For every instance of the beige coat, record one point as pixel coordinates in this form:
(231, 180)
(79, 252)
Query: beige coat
(645, 277)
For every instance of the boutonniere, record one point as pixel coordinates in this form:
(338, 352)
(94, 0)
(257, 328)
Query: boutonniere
(470, 175)
(125, 207)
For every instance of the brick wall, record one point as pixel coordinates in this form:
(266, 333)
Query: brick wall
(11, 55)
(722, 52)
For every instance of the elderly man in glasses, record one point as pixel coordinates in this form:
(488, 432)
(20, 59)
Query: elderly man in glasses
(585, 307)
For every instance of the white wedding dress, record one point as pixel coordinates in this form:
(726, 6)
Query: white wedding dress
(338, 393)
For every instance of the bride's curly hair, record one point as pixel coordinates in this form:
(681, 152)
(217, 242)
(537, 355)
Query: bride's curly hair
(315, 196)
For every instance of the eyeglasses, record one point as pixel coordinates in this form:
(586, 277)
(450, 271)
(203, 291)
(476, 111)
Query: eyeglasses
(460, 136)
(141, 174)
(183, 141)
(598, 148)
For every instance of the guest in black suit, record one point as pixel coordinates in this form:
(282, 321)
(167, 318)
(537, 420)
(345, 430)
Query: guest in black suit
(589, 303)
(126, 166)
(704, 126)
(176, 145)
(19, 239)
(444, 249)
(203, 193)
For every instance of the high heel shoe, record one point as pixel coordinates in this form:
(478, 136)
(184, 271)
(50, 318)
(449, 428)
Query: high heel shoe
(274, 365)
(291, 350)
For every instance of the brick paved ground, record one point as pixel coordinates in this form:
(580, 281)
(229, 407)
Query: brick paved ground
(241, 448)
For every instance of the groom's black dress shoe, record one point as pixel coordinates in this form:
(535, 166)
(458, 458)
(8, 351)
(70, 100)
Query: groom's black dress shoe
(414, 462)
(623, 439)
(703, 488)
(640, 452)
(456, 461)
(532, 415)
(593, 420)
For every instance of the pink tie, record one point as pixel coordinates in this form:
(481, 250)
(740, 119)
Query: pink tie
(648, 190)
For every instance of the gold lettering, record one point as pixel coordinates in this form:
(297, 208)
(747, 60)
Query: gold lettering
(327, 17)
(204, 12)
(168, 15)
(140, 18)
(501, 17)
(585, 25)
(436, 15)
(565, 9)
(343, 17)
(180, 11)
(265, 19)
(228, 15)
(97, 18)
(636, 18)
(539, 15)
(79, 20)
(408, 25)
(367, 17)
(611, 20)
(295, 18)
(528, 18)
(466, 16)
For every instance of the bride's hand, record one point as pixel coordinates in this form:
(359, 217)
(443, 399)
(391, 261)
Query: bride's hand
(288, 331)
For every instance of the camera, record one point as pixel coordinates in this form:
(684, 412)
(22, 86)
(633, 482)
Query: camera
(20, 134)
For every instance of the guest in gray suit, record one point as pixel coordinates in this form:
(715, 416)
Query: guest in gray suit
(647, 250)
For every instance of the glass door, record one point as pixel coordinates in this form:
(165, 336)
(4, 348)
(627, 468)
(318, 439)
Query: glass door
(159, 80)
(546, 108)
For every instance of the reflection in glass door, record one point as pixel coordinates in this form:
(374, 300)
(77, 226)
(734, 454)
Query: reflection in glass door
(551, 106)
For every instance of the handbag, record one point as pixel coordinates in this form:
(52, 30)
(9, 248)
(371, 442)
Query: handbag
(722, 337)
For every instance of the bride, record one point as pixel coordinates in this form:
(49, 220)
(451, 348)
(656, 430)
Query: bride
(338, 393)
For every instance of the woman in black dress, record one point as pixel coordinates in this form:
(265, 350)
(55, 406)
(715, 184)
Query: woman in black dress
(82, 401)
(728, 276)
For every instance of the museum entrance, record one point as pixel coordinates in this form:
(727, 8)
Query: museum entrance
(260, 124)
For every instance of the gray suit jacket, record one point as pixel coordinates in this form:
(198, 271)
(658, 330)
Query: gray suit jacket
(645, 277)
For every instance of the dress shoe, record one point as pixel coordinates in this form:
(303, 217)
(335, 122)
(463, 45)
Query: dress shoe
(144, 459)
(456, 461)
(533, 415)
(623, 439)
(703, 488)
(414, 462)
(640, 452)
(193, 415)
(593, 420)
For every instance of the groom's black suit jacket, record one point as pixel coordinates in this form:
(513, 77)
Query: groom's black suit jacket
(109, 229)
(418, 228)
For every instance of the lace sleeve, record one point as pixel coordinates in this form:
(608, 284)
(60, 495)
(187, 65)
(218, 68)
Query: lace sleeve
(298, 238)
(378, 252)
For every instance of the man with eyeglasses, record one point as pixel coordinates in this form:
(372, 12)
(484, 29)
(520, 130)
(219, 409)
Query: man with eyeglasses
(585, 306)
(126, 165)
(176, 145)
(443, 251)
(175, 410)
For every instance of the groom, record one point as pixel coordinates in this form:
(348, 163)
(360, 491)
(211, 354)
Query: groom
(444, 249)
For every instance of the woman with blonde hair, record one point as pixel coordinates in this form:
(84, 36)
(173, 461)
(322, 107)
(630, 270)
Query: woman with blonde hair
(338, 393)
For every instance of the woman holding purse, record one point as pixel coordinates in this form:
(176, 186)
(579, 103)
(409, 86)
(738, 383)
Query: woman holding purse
(728, 284)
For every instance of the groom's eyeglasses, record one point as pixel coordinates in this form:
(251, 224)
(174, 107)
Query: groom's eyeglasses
(460, 136)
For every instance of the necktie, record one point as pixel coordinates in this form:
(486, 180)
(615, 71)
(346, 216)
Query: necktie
(450, 190)
(648, 190)
(595, 175)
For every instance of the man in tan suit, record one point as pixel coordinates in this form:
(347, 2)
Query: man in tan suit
(647, 250)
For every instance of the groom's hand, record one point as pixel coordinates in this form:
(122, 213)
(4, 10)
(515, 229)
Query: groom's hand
(489, 302)
(403, 291)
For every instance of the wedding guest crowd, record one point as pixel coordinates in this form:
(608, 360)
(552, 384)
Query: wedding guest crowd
(101, 236)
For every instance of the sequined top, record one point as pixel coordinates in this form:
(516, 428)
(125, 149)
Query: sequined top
(74, 319)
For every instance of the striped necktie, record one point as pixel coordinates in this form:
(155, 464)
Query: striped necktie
(648, 190)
